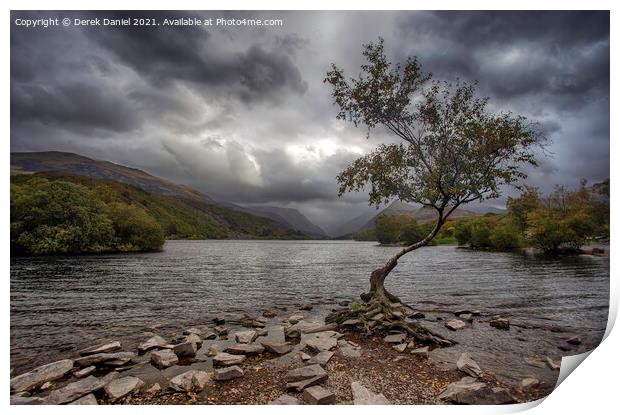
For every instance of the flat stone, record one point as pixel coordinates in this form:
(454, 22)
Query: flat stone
(535, 362)
(85, 372)
(228, 373)
(500, 323)
(318, 395)
(285, 400)
(453, 391)
(400, 347)
(395, 338)
(467, 365)
(303, 384)
(122, 387)
(319, 329)
(110, 347)
(186, 349)
(247, 349)
(576, 340)
(303, 373)
(528, 383)
(76, 390)
(107, 359)
(277, 347)
(420, 351)
(25, 399)
(40, 375)
(226, 359)
(321, 344)
(194, 338)
(86, 400)
(191, 380)
(321, 358)
(455, 324)
(164, 358)
(247, 336)
(363, 396)
(295, 318)
(155, 342)
(553, 365)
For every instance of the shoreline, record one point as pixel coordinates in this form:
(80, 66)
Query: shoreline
(400, 376)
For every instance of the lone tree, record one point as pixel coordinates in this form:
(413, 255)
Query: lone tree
(453, 151)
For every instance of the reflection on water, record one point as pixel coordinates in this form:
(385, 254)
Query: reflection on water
(61, 303)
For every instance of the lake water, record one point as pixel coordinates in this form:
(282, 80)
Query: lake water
(61, 304)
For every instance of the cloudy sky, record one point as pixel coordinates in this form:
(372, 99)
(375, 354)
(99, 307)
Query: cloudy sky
(242, 114)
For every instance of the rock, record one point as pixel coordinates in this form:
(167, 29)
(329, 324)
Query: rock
(277, 348)
(219, 320)
(400, 347)
(153, 390)
(226, 359)
(107, 359)
(318, 395)
(25, 399)
(500, 323)
(352, 322)
(467, 365)
(321, 358)
(270, 313)
(421, 351)
(186, 349)
(164, 358)
(395, 338)
(247, 349)
(553, 365)
(304, 356)
(114, 346)
(455, 325)
(576, 340)
(228, 373)
(247, 336)
(85, 372)
(321, 344)
(528, 383)
(453, 391)
(285, 400)
(319, 329)
(119, 388)
(303, 373)
(303, 384)
(194, 338)
(295, 318)
(40, 375)
(76, 390)
(86, 400)
(220, 330)
(535, 362)
(155, 342)
(362, 396)
(190, 381)
(306, 307)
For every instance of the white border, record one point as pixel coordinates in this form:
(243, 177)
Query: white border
(591, 388)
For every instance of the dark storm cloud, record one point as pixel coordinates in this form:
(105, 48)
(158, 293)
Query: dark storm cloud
(242, 114)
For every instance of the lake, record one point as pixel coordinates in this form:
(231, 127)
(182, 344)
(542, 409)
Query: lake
(60, 304)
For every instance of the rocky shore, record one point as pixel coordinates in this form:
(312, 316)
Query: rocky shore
(277, 357)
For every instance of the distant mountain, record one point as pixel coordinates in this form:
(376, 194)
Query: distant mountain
(56, 161)
(291, 217)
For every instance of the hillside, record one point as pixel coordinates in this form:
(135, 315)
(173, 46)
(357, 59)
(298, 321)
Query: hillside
(176, 217)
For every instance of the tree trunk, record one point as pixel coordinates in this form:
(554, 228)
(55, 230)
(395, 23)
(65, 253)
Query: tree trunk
(377, 292)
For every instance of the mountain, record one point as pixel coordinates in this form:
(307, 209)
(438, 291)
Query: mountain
(56, 161)
(291, 217)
